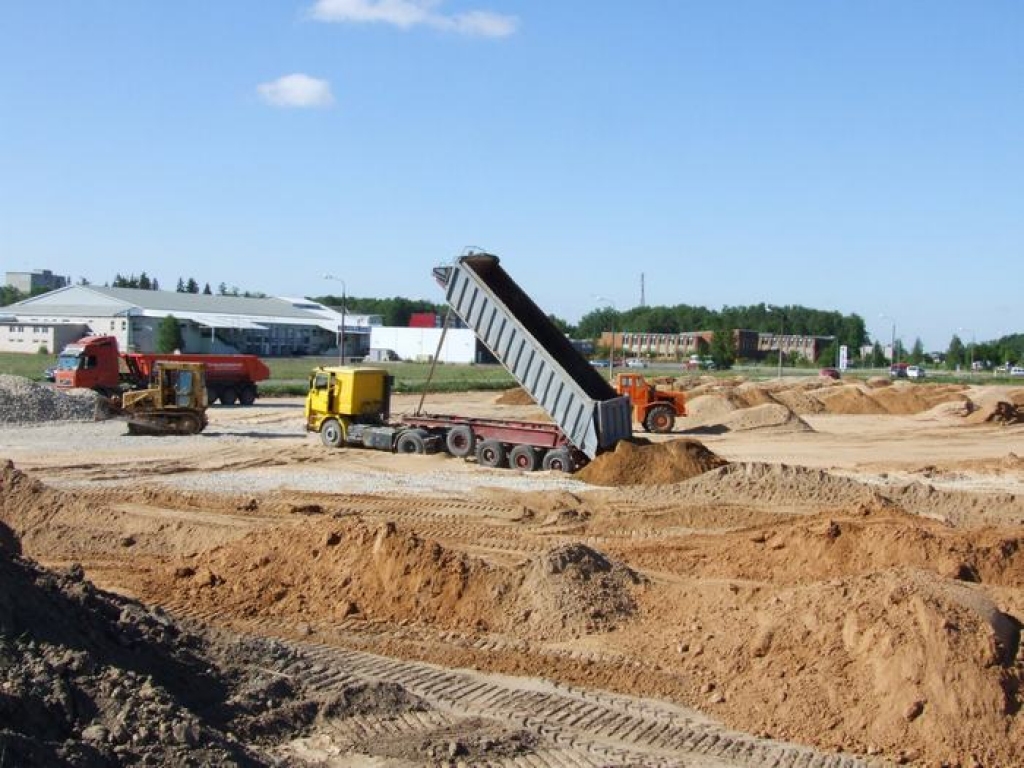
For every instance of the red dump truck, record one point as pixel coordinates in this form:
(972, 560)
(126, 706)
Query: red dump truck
(95, 362)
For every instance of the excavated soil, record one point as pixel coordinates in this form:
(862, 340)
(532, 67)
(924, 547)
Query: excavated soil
(832, 564)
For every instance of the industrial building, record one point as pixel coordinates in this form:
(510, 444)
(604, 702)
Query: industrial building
(269, 327)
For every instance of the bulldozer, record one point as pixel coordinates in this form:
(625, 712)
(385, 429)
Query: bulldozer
(174, 403)
(653, 408)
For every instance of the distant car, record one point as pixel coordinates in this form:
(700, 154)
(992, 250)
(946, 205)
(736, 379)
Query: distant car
(830, 373)
(50, 374)
(636, 362)
(1017, 371)
(898, 371)
(915, 372)
(599, 363)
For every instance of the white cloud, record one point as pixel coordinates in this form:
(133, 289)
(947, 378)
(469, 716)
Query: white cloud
(296, 90)
(409, 13)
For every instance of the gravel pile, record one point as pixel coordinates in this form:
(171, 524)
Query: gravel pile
(23, 401)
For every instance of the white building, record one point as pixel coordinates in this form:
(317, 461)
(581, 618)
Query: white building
(460, 344)
(266, 326)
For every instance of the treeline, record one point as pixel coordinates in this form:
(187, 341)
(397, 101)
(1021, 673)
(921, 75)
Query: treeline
(395, 311)
(185, 285)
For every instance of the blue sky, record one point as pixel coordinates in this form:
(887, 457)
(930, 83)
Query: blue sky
(861, 156)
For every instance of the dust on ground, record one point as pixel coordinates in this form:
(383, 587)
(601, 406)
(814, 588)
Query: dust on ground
(873, 607)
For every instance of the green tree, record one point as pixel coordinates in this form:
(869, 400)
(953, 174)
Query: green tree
(191, 286)
(181, 285)
(955, 353)
(168, 335)
(9, 294)
(206, 290)
(144, 282)
(723, 348)
(917, 352)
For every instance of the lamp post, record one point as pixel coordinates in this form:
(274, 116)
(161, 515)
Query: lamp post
(341, 328)
(611, 346)
(970, 348)
(892, 343)
(782, 326)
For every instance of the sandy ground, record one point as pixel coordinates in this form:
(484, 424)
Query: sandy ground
(802, 564)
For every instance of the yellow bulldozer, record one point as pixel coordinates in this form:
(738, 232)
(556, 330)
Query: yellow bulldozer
(174, 403)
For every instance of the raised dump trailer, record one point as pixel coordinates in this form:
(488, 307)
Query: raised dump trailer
(591, 414)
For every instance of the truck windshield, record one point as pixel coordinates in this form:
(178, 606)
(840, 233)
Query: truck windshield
(68, 362)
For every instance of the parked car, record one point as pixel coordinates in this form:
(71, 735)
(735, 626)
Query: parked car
(636, 362)
(830, 373)
(898, 370)
(1017, 371)
(915, 372)
(50, 374)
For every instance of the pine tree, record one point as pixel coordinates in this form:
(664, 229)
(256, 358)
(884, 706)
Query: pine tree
(181, 285)
(206, 290)
(192, 286)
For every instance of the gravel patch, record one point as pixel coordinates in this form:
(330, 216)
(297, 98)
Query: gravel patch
(23, 401)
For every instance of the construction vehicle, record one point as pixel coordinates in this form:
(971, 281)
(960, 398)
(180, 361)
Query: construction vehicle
(173, 404)
(351, 406)
(653, 408)
(95, 362)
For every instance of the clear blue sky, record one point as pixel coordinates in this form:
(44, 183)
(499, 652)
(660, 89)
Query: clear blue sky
(862, 156)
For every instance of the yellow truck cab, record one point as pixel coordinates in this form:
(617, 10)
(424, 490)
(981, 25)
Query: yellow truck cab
(340, 396)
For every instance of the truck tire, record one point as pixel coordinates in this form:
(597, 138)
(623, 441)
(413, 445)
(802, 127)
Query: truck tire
(410, 441)
(247, 396)
(331, 433)
(660, 419)
(228, 396)
(558, 460)
(524, 457)
(491, 453)
(460, 441)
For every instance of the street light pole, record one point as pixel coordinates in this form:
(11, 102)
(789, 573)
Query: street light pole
(611, 346)
(892, 343)
(341, 328)
(782, 328)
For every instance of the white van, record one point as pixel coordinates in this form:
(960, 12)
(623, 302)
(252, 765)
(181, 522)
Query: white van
(915, 372)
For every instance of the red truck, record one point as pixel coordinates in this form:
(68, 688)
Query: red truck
(95, 362)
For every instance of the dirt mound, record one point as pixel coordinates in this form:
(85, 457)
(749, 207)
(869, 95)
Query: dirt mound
(768, 416)
(338, 568)
(91, 679)
(849, 399)
(900, 660)
(642, 463)
(800, 489)
(573, 590)
(517, 396)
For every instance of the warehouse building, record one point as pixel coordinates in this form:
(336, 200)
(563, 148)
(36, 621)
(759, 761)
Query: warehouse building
(269, 327)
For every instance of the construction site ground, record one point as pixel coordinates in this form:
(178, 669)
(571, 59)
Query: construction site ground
(808, 572)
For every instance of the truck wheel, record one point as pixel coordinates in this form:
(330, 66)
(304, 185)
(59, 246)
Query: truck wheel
(524, 457)
(248, 395)
(331, 433)
(491, 453)
(660, 419)
(558, 460)
(228, 396)
(460, 441)
(410, 442)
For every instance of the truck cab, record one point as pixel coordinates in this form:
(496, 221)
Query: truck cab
(90, 363)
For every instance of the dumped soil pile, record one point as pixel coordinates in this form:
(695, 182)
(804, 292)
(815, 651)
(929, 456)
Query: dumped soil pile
(337, 568)
(23, 401)
(517, 396)
(92, 679)
(898, 660)
(803, 489)
(60, 525)
(643, 463)
(769, 415)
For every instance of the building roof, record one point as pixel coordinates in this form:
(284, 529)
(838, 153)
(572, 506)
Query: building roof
(205, 309)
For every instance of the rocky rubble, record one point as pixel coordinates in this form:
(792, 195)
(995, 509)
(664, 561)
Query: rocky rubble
(23, 401)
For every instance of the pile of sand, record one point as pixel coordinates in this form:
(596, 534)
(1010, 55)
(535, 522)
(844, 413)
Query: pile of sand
(639, 462)
(336, 568)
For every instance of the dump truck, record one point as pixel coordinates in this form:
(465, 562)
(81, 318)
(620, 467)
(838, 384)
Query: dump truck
(174, 403)
(95, 362)
(655, 409)
(351, 406)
